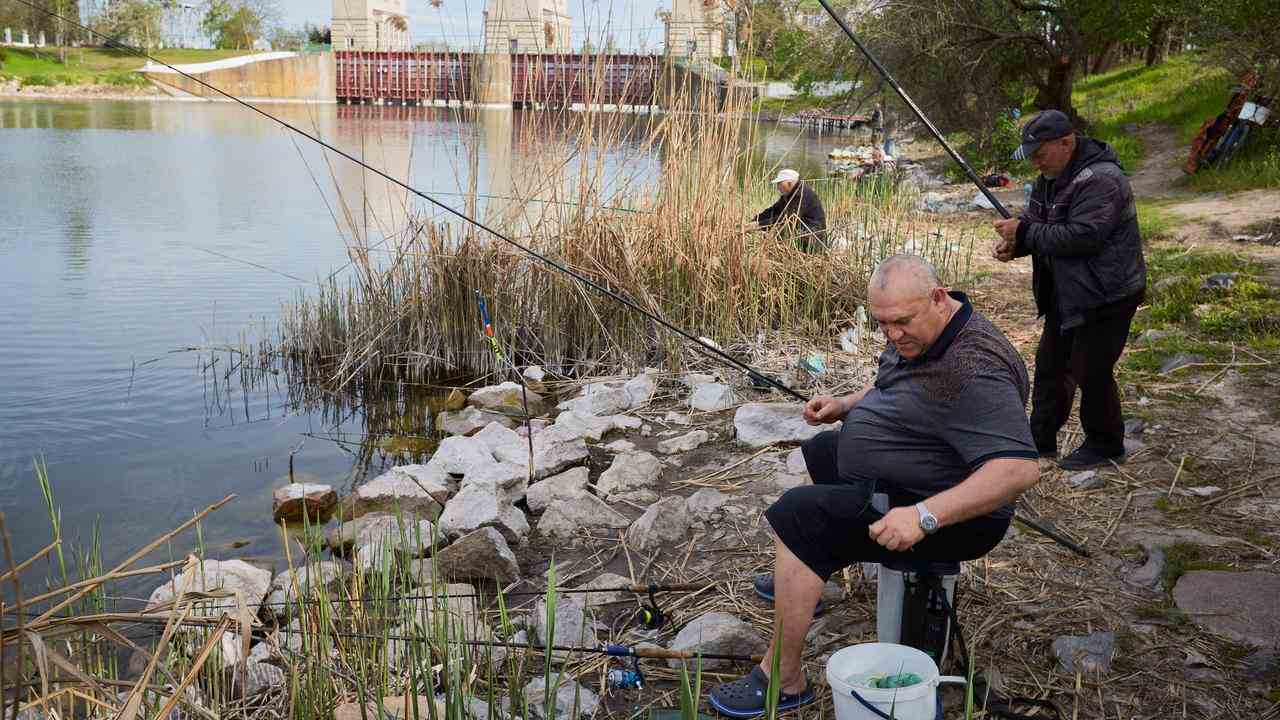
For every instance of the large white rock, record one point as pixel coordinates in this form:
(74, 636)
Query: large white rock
(717, 633)
(571, 700)
(461, 455)
(479, 555)
(555, 448)
(796, 464)
(563, 519)
(664, 523)
(640, 389)
(507, 398)
(295, 501)
(704, 502)
(469, 419)
(608, 584)
(416, 489)
(238, 577)
(604, 398)
(377, 534)
(590, 427)
(712, 397)
(504, 443)
(632, 475)
(477, 506)
(569, 484)
(762, 424)
(574, 624)
(259, 676)
(451, 608)
(683, 443)
(307, 582)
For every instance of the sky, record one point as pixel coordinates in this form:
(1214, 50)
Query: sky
(633, 23)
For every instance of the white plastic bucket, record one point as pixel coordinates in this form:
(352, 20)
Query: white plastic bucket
(915, 702)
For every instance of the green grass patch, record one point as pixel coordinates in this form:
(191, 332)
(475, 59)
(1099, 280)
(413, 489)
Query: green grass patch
(1182, 558)
(1155, 222)
(1153, 612)
(1255, 165)
(1182, 93)
(42, 66)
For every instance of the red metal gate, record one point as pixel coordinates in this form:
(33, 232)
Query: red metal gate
(548, 79)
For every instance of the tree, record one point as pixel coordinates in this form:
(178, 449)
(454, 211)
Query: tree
(132, 22)
(318, 34)
(234, 24)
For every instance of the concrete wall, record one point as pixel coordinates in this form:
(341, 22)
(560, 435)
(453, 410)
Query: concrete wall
(491, 79)
(369, 25)
(525, 21)
(301, 77)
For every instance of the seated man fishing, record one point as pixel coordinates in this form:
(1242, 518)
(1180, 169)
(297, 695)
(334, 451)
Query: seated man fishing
(942, 431)
(799, 204)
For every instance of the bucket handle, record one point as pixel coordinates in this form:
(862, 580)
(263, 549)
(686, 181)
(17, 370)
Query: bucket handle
(942, 680)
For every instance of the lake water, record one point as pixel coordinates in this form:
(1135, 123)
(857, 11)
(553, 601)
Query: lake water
(131, 232)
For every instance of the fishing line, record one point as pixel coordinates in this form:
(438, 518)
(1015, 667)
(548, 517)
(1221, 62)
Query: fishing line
(705, 349)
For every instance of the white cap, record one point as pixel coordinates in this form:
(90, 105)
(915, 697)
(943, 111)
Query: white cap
(785, 175)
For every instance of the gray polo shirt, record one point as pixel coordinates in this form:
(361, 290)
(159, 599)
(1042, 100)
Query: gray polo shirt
(931, 422)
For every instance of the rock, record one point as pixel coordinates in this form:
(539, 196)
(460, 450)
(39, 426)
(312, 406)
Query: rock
(456, 400)
(684, 443)
(503, 477)
(627, 422)
(563, 519)
(421, 572)
(259, 675)
(453, 604)
(535, 379)
(778, 483)
(620, 446)
(418, 490)
(1219, 281)
(569, 484)
(796, 464)
(478, 506)
(309, 579)
(1165, 537)
(1165, 284)
(1133, 427)
(469, 420)
(292, 503)
(712, 397)
(571, 700)
(550, 458)
(461, 455)
(1180, 360)
(717, 633)
(599, 399)
(1203, 490)
(411, 707)
(646, 430)
(665, 522)
(762, 424)
(632, 475)
(1149, 574)
(405, 534)
(1243, 607)
(1153, 336)
(504, 443)
(507, 398)
(640, 389)
(1261, 664)
(482, 554)
(609, 582)
(591, 427)
(1088, 654)
(1133, 446)
(247, 582)
(1087, 480)
(704, 502)
(575, 626)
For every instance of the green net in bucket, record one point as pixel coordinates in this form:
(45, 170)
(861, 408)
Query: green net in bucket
(901, 680)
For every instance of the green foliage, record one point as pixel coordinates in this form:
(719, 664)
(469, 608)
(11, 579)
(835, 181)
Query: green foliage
(1154, 222)
(233, 24)
(38, 81)
(136, 22)
(123, 79)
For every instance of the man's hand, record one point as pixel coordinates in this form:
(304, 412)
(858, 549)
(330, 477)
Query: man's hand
(824, 409)
(898, 530)
(1008, 231)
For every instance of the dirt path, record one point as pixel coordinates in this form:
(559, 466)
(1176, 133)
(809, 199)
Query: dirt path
(1157, 175)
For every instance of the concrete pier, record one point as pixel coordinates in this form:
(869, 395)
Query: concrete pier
(275, 76)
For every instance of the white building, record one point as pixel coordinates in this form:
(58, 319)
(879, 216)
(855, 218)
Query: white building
(527, 26)
(696, 29)
(371, 25)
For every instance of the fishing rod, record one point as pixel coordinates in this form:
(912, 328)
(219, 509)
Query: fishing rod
(937, 134)
(710, 351)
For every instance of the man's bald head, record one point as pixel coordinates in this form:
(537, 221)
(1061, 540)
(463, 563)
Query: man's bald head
(902, 272)
(909, 303)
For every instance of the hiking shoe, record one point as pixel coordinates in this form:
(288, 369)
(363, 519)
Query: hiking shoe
(763, 586)
(1087, 458)
(745, 697)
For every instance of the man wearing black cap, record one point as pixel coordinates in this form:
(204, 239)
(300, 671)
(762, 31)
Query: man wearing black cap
(1081, 231)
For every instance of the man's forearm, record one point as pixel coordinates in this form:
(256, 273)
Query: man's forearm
(996, 484)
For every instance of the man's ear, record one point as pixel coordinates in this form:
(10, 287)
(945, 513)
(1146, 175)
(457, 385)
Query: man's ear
(939, 295)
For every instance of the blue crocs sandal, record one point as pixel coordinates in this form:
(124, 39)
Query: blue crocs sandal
(764, 588)
(745, 698)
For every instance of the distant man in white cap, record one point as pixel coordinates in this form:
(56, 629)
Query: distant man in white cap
(796, 201)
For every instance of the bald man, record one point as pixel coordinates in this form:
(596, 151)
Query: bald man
(942, 431)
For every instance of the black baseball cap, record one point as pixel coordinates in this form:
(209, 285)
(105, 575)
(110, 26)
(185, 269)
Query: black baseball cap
(1045, 126)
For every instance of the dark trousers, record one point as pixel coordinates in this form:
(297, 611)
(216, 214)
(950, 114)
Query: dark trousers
(1085, 357)
(826, 524)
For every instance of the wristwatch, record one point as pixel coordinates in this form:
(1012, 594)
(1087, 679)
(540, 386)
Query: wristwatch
(928, 522)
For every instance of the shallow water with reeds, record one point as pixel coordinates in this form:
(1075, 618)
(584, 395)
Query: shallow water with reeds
(143, 244)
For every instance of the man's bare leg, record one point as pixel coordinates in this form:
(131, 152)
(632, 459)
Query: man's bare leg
(796, 590)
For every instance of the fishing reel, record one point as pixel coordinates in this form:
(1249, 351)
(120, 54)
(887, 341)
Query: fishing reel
(627, 679)
(650, 616)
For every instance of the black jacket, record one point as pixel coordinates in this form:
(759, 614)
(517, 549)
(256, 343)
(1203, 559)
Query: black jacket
(803, 203)
(1082, 233)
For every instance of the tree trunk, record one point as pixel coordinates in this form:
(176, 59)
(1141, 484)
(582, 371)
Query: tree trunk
(1055, 94)
(1158, 43)
(1106, 58)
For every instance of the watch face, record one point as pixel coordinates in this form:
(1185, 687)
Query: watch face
(929, 523)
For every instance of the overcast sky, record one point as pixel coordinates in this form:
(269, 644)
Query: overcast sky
(457, 22)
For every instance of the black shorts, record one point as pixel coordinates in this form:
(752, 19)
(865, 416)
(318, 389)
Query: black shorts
(826, 524)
